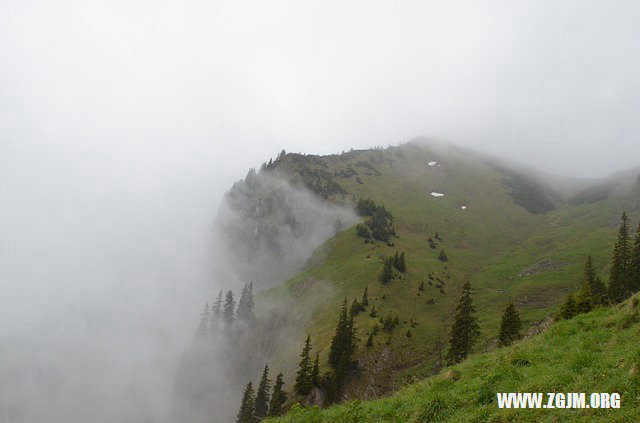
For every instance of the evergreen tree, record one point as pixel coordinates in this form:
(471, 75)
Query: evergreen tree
(619, 287)
(304, 384)
(278, 398)
(464, 330)
(262, 394)
(634, 265)
(229, 308)
(585, 299)
(402, 264)
(370, 340)
(245, 311)
(568, 308)
(387, 271)
(373, 312)
(597, 288)
(203, 326)
(365, 297)
(246, 412)
(421, 286)
(342, 339)
(396, 260)
(315, 371)
(355, 308)
(216, 313)
(341, 352)
(510, 326)
(443, 257)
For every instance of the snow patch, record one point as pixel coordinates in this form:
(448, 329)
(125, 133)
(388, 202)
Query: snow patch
(437, 194)
(463, 207)
(432, 163)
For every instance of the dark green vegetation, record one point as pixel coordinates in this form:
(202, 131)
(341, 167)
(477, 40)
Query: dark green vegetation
(594, 352)
(517, 241)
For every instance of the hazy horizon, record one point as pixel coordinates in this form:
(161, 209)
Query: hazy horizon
(122, 124)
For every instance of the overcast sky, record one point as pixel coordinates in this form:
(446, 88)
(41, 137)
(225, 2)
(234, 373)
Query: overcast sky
(122, 122)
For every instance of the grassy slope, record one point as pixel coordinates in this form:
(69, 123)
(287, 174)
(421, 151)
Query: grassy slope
(489, 243)
(595, 352)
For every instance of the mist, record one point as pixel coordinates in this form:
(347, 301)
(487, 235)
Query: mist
(122, 125)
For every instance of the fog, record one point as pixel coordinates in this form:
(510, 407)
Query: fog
(123, 123)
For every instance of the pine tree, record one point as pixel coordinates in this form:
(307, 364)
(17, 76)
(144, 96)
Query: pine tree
(229, 308)
(365, 297)
(619, 287)
(216, 312)
(402, 264)
(315, 372)
(304, 384)
(396, 260)
(510, 326)
(585, 299)
(203, 326)
(341, 352)
(278, 398)
(634, 265)
(246, 412)
(373, 312)
(387, 271)
(245, 311)
(342, 339)
(421, 286)
(262, 394)
(355, 308)
(598, 290)
(443, 257)
(465, 329)
(568, 309)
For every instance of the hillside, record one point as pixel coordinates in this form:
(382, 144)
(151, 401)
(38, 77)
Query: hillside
(517, 236)
(593, 352)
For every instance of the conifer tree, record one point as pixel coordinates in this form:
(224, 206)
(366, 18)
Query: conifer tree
(342, 339)
(442, 256)
(341, 352)
(585, 298)
(262, 394)
(370, 340)
(278, 397)
(304, 384)
(598, 290)
(355, 308)
(402, 264)
(315, 371)
(246, 412)
(619, 287)
(216, 313)
(510, 326)
(245, 311)
(568, 309)
(229, 308)
(387, 271)
(365, 297)
(634, 265)
(203, 326)
(464, 330)
(373, 312)
(421, 286)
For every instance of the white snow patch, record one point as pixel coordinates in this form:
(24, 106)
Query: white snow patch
(437, 194)
(432, 163)
(463, 207)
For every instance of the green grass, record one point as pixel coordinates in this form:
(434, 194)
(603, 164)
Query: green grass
(594, 352)
(489, 243)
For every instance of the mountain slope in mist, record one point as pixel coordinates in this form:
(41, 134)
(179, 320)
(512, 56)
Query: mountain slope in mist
(516, 236)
